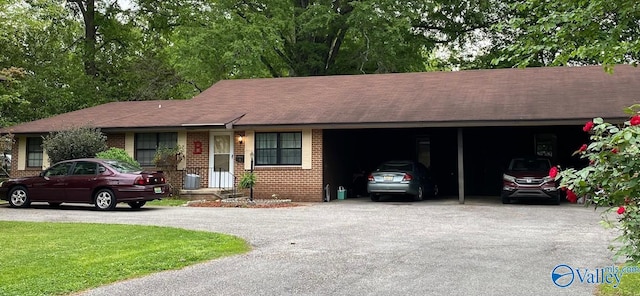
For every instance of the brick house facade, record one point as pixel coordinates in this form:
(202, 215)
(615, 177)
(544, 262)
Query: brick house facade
(346, 120)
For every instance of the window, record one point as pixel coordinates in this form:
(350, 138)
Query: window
(278, 148)
(34, 152)
(60, 169)
(147, 144)
(84, 168)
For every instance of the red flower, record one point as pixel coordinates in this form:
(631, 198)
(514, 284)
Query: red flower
(620, 210)
(591, 162)
(571, 197)
(614, 150)
(583, 148)
(588, 126)
(635, 120)
(553, 172)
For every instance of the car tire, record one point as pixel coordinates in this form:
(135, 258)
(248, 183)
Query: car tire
(54, 204)
(104, 200)
(136, 204)
(420, 195)
(435, 191)
(19, 197)
(505, 199)
(375, 197)
(556, 200)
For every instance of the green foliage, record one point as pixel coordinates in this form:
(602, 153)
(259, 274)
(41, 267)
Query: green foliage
(168, 157)
(247, 180)
(118, 154)
(612, 180)
(74, 143)
(568, 32)
(11, 90)
(66, 258)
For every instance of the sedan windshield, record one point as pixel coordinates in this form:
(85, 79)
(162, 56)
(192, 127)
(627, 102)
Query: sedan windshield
(122, 167)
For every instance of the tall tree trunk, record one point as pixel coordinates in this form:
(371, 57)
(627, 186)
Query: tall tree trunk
(90, 39)
(88, 10)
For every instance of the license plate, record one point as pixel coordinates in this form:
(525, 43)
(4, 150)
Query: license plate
(388, 178)
(157, 189)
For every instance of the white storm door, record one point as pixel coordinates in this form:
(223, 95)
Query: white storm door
(221, 160)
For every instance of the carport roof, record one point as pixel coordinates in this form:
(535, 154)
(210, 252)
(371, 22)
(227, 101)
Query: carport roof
(463, 98)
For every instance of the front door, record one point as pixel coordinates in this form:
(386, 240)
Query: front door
(221, 160)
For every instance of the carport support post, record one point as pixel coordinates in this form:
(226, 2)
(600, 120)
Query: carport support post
(460, 168)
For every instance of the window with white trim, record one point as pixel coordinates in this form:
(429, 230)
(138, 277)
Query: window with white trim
(278, 148)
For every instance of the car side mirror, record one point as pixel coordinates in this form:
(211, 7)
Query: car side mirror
(101, 170)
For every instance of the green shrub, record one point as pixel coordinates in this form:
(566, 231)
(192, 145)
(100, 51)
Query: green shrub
(74, 143)
(168, 157)
(118, 154)
(247, 180)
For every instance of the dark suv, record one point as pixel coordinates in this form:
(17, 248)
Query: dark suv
(528, 177)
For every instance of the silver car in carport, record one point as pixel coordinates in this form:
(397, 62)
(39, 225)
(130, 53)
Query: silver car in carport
(401, 177)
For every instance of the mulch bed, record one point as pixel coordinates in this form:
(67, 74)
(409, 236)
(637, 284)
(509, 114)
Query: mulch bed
(219, 204)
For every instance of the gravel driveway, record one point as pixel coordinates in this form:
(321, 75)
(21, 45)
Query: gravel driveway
(356, 247)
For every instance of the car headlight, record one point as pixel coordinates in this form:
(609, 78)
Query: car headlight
(509, 178)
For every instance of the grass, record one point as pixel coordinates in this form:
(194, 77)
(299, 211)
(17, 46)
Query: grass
(629, 286)
(62, 258)
(168, 202)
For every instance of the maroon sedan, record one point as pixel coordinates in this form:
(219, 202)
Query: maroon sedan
(101, 182)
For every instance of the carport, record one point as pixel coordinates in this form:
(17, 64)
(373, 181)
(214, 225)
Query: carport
(478, 153)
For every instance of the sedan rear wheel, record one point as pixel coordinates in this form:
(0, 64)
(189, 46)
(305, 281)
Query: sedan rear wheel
(105, 200)
(375, 197)
(136, 204)
(19, 197)
(420, 195)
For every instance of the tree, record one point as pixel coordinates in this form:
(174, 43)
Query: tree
(79, 142)
(242, 39)
(568, 32)
(10, 95)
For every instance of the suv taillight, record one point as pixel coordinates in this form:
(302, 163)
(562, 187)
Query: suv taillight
(371, 177)
(407, 177)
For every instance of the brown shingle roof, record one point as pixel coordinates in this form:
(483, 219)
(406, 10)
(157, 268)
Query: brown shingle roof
(430, 98)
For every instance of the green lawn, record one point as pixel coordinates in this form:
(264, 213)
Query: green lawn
(168, 202)
(629, 286)
(62, 258)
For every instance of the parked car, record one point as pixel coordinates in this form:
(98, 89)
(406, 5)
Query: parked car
(528, 177)
(401, 177)
(101, 182)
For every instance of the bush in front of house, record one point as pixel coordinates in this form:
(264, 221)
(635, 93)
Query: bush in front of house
(118, 154)
(78, 142)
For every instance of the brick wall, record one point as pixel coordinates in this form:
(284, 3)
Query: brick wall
(115, 140)
(292, 183)
(15, 173)
(198, 163)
